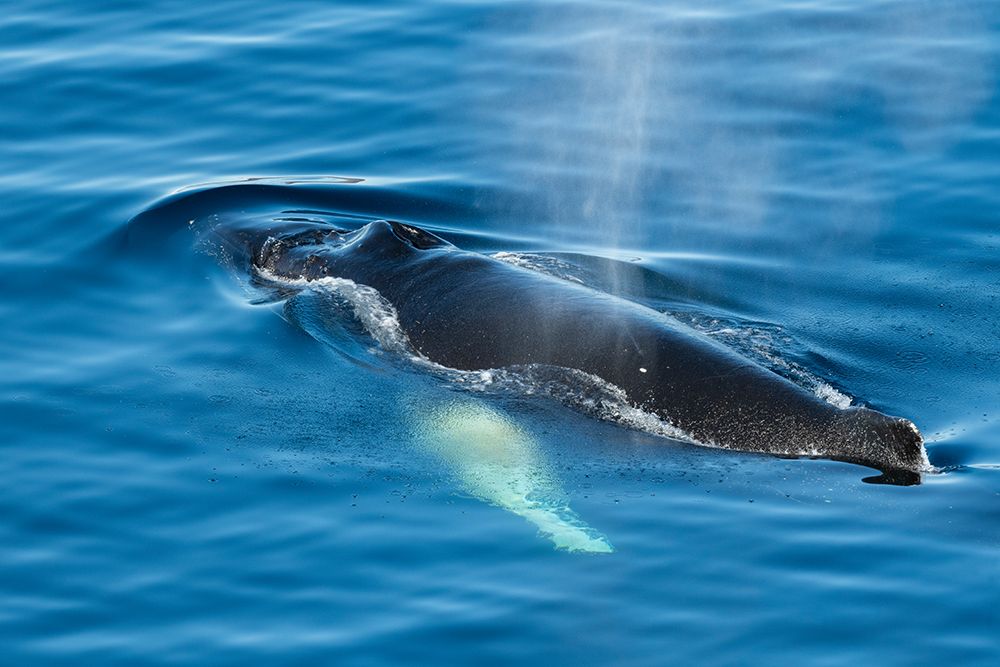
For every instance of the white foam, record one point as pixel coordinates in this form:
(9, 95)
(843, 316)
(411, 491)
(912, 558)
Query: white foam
(832, 396)
(375, 313)
(579, 390)
(759, 344)
(542, 264)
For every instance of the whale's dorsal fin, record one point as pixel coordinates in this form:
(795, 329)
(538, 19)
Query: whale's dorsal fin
(419, 238)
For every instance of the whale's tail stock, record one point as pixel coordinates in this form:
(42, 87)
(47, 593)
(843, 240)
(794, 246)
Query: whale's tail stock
(892, 445)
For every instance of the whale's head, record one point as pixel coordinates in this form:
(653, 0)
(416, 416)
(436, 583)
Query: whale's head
(311, 250)
(372, 253)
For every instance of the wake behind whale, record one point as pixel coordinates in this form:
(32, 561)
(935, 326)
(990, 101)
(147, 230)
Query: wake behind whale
(468, 313)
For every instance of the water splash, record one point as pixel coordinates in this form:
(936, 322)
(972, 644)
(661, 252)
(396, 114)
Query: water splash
(544, 264)
(761, 343)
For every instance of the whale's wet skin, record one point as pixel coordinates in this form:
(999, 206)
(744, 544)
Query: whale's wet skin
(468, 312)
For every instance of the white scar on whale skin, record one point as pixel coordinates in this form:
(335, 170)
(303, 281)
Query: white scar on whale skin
(499, 463)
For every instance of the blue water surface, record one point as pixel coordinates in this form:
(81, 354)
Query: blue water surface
(192, 477)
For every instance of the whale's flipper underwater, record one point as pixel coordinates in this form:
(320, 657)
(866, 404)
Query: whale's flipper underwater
(499, 463)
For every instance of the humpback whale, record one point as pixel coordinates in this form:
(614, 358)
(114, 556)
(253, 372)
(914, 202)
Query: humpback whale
(468, 311)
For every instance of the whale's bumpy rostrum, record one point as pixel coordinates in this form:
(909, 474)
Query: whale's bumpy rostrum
(467, 311)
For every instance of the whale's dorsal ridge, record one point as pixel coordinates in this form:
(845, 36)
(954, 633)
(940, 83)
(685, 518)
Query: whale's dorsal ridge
(421, 239)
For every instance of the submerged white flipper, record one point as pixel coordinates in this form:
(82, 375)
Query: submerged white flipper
(500, 463)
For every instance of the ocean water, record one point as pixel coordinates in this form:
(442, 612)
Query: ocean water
(195, 475)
